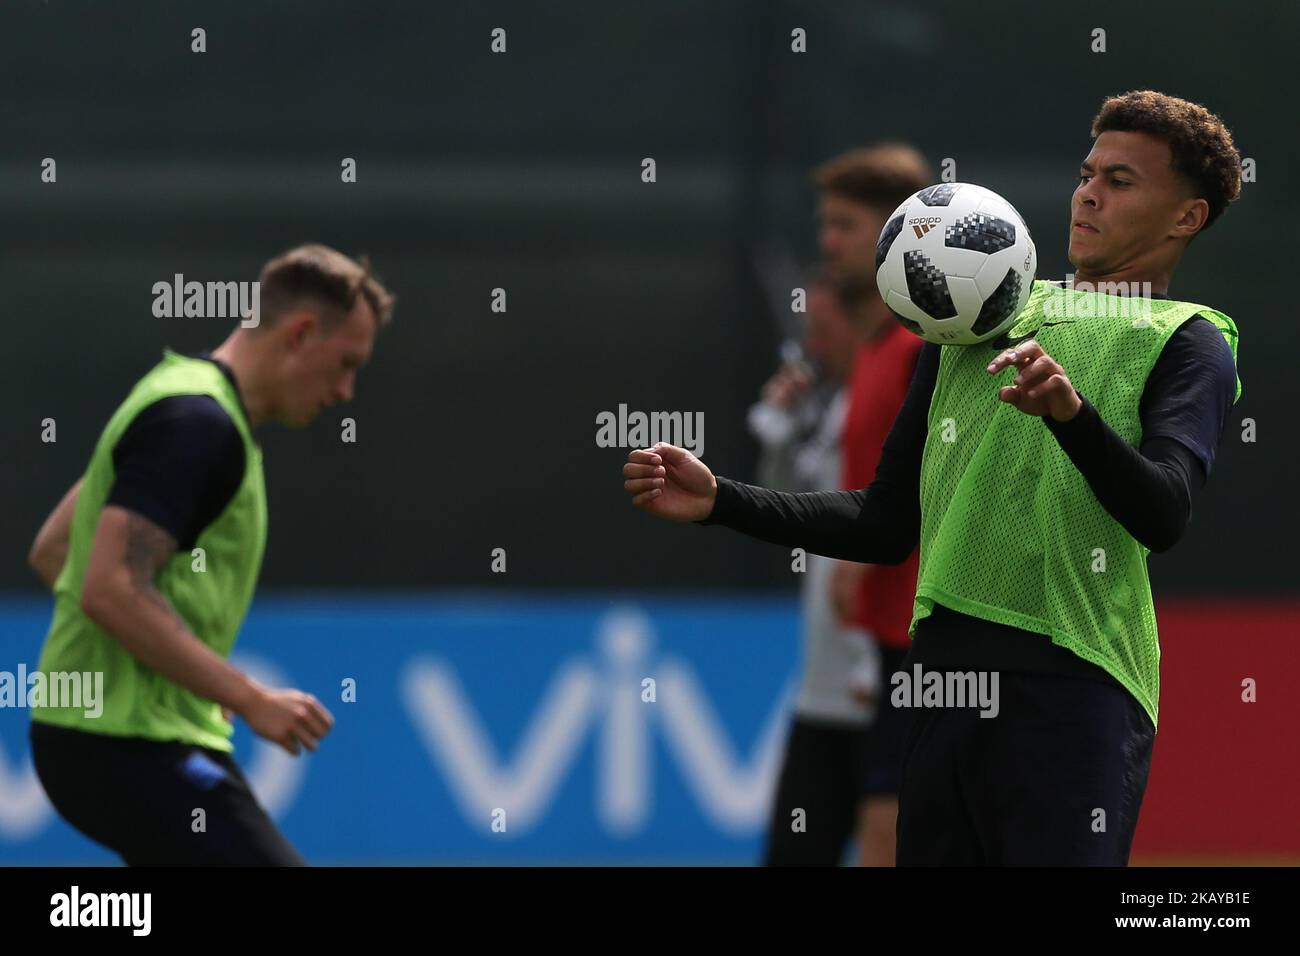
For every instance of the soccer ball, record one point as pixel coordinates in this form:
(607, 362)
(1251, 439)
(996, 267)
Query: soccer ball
(955, 264)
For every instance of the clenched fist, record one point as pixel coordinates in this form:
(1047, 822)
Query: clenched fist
(670, 482)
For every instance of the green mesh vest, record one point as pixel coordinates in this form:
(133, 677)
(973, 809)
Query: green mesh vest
(139, 702)
(1010, 530)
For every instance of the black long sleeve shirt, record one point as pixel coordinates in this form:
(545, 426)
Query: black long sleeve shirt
(1148, 490)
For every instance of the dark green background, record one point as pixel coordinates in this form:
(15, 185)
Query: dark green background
(476, 430)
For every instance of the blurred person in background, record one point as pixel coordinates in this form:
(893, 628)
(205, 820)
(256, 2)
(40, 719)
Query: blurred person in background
(798, 424)
(859, 190)
(843, 757)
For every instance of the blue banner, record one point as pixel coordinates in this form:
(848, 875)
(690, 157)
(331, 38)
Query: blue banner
(489, 729)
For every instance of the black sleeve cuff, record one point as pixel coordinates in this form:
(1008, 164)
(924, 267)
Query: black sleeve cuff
(722, 503)
(1083, 420)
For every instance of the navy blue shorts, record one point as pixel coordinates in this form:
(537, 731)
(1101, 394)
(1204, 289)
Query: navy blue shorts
(138, 798)
(1055, 779)
(885, 736)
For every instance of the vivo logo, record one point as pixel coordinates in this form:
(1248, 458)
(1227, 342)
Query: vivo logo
(597, 696)
(603, 696)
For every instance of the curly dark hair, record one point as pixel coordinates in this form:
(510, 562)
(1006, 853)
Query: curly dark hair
(1200, 145)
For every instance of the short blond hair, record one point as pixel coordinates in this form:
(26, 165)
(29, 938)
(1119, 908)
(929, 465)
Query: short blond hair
(316, 273)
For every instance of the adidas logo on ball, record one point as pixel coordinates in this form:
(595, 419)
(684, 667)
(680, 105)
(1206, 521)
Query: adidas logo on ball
(955, 264)
(923, 226)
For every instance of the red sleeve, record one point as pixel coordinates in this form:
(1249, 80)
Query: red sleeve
(879, 383)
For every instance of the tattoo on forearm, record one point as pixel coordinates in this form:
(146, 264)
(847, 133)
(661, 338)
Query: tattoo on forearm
(148, 548)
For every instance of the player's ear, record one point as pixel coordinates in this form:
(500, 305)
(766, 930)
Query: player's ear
(297, 327)
(1194, 213)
